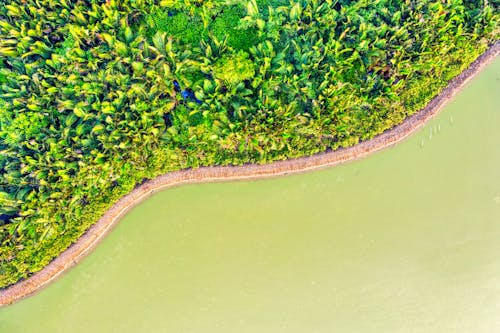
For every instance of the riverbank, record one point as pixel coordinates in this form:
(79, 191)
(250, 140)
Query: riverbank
(211, 174)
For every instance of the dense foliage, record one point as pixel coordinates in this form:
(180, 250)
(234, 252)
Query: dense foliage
(96, 96)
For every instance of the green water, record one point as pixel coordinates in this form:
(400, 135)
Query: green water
(407, 240)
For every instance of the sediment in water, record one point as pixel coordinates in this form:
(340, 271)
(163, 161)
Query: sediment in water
(96, 232)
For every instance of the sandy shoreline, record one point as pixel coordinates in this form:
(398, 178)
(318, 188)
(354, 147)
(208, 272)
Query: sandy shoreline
(98, 231)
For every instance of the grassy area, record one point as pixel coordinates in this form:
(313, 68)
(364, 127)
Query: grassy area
(96, 96)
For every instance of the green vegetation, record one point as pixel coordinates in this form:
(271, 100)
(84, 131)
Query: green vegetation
(89, 106)
(234, 68)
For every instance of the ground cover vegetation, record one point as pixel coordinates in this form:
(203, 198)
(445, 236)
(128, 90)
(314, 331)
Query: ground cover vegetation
(97, 96)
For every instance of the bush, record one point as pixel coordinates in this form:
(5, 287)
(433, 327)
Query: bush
(235, 68)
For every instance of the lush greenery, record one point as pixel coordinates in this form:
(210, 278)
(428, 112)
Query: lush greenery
(97, 96)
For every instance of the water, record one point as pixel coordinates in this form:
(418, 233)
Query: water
(406, 240)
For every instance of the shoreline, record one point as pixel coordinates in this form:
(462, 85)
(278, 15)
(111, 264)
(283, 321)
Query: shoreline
(91, 238)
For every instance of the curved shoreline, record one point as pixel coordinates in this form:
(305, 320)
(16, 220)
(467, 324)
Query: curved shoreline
(88, 241)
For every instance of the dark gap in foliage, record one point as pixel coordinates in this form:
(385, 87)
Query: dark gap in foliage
(141, 182)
